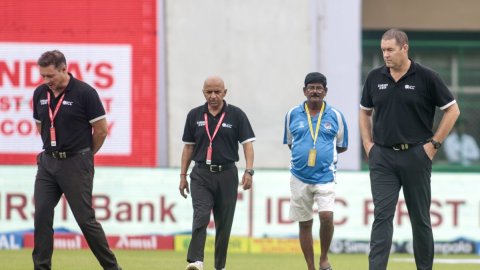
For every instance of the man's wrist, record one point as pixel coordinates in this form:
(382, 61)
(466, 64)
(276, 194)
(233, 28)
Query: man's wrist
(435, 143)
(250, 171)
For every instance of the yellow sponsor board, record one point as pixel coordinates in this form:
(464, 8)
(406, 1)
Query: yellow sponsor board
(277, 245)
(236, 245)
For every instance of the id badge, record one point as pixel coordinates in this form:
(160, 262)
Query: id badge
(312, 156)
(208, 161)
(53, 139)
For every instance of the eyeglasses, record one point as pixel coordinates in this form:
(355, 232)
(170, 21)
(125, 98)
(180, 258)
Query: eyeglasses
(315, 87)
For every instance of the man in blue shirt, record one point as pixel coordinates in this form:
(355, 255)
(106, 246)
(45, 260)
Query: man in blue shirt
(315, 132)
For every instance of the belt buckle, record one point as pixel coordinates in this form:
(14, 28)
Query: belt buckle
(402, 146)
(59, 155)
(215, 168)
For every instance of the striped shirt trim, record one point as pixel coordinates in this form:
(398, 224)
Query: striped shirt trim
(249, 140)
(365, 108)
(341, 128)
(289, 134)
(448, 105)
(96, 119)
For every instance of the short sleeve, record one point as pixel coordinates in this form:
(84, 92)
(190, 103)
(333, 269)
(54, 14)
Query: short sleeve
(35, 101)
(287, 135)
(93, 106)
(188, 133)
(246, 133)
(440, 92)
(342, 134)
(366, 98)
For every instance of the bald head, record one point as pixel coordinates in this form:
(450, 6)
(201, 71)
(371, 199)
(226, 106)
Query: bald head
(214, 82)
(214, 92)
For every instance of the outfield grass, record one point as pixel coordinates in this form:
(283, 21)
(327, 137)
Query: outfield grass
(169, 260)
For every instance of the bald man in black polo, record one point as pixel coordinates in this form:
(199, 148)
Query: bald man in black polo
(211, 136)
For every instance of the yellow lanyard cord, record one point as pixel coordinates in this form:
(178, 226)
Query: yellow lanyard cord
(310, 126)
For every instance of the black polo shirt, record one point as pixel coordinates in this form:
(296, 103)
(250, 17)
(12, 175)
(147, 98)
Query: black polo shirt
(81, 106)
(404, 110)
(234, 129)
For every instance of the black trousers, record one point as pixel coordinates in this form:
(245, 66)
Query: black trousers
(215, 191)
(74, 178)
(391, 170)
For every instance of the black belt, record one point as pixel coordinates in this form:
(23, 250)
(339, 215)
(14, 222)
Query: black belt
(402, 146)
(216, 168)
(64, 154)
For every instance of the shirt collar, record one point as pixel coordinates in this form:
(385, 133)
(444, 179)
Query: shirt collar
(224, 108)
(302, 106)
(68, 88)
(413, 67)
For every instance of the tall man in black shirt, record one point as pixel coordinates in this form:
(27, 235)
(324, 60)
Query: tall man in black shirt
(211, 136)
(402, 96)
(66, 111)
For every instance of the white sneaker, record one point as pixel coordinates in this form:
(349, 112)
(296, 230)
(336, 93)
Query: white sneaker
(198, 265)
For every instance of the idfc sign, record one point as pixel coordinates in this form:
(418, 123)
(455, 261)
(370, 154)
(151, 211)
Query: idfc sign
(109, 45)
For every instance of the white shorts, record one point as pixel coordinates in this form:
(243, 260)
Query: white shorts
(304, 195)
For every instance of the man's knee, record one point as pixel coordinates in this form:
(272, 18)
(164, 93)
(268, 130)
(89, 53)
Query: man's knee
(201, 218)
(326, 217)
(306, 225)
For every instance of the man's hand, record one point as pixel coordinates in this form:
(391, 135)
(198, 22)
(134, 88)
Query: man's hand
(368, 146)
(184, 186)
(246, 181)
(430, 150)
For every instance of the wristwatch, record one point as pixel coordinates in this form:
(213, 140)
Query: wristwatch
(250, 171)
(436, 144)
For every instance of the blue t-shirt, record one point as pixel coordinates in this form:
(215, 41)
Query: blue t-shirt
(333, 133)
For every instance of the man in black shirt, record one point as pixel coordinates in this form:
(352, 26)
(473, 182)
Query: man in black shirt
(402, 96)
(66, 111)
(211, 136)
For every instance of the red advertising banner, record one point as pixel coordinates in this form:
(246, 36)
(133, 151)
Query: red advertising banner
(77, 241)
(112, 45)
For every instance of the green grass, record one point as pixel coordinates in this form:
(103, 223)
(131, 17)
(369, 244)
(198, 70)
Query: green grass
(169, 260)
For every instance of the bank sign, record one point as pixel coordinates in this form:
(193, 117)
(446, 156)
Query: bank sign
(145, 201)
(113, 49)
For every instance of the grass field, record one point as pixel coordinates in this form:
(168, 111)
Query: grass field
(169, 260)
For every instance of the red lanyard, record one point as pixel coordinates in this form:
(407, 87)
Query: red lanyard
(216, 128)
(208, 160)
(52, 115)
